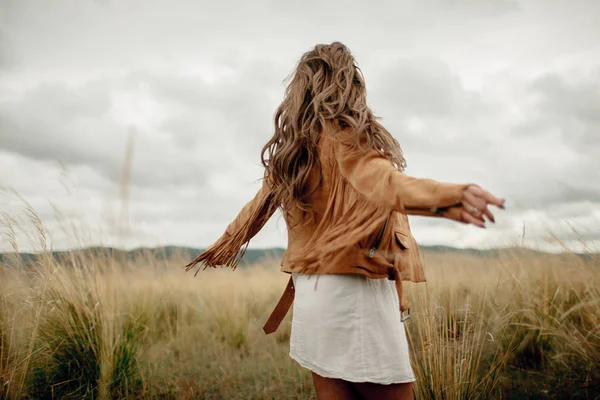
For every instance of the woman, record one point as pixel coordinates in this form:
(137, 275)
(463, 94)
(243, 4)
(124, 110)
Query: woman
(336, 173)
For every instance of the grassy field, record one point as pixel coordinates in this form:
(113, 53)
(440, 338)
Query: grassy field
(512, 326)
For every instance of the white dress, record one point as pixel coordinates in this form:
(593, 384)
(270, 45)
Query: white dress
(349, 327)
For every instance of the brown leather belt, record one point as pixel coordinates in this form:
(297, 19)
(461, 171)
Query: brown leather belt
(281, 309)
(287, 299)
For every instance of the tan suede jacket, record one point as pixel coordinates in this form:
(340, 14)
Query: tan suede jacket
(360, 223)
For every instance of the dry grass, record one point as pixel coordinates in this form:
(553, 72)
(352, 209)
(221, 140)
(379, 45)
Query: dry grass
(511, 326)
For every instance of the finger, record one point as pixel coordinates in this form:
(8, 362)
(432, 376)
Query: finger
(472, 220)
(476, 212)
(472, 210)
(486, 211)
(474, 201)
(485, 195)
(490, 198)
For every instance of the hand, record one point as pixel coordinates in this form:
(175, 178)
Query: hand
(475, 203)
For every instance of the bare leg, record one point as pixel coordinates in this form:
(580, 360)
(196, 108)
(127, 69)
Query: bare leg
(374, 391)
(334, 389)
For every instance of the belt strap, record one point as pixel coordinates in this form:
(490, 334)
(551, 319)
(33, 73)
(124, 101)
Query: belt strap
(404, 304)
(281, 309)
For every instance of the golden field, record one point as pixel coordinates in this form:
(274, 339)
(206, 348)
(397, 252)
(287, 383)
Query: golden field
(515, 325)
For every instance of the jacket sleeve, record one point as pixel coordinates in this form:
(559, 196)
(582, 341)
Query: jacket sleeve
(229, 249)
(374, 176)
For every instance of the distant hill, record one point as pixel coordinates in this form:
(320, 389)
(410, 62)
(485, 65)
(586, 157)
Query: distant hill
(185, 254)
(252, 256)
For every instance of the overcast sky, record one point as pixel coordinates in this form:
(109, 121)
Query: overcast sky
(501, 93)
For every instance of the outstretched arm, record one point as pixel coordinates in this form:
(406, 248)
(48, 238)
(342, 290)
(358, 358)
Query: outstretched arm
(231, 246)
(373, 175)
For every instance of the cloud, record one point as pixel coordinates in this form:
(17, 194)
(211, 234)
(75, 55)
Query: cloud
(561, 138)
(186, 127)
(572, 106)
(535, 145)
(195, 155)
(500, 93)
(426, 88)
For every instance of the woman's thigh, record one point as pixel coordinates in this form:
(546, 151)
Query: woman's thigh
(338, 389)
(374, 391)
(334, 389)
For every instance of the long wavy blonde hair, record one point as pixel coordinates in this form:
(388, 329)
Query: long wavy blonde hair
(327, 87)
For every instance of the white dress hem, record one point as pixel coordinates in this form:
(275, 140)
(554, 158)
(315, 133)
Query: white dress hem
(354, 379)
